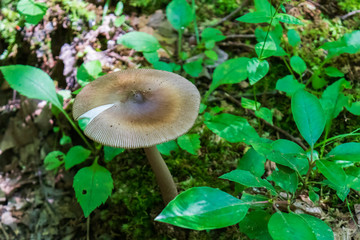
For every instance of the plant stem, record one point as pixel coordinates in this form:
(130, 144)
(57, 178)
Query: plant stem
(179, 42)
(327, 130)
(353, 133)
(77, 129)
(88, 228)
(195, 24)
(287, 65)
(162, 174)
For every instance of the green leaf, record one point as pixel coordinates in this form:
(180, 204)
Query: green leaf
(83, 122)
(353, 177)
(298, 64)
(254, 17)
(54, 160)
(179, 14)
(31, 82)
(355, 108)
(190, 143)
(163, 66)
(140, 41)
(31, 10)
(253, 162)
(193, 68)
(286, 180)
(314, 197)
(265, 114)
(285, 18)
(119, 9)
(308, 115)
(257, 69)
(119, 21)
(293, 37)
(249, 104)
(247, 179)
(347, 152)
(264, 7)
(318, 82)
(151, 57)
(211, 54)
(203, 208)
(111, 152)
(320, 229)
(274, 36)
(289, 226)
(88, 72)
(249, 199)
(229, 72)
(265, 49)
(289, 85)
(65, 140)
(167, 147)
(92, 185)
(349, 43)
(232, 128)
(212, 34)
(284, 152)
(76, 155)
(333, 100)
(254, 225)
(333, 72)
(334, 173)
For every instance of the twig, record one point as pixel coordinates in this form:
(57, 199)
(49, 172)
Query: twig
(241, 36)
(349, 14)
(236, 44)
(282, 131)
(243, 4)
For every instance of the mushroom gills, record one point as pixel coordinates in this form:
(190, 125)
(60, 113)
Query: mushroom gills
(93, 113)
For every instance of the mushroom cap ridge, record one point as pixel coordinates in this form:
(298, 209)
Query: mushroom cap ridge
(149, 107)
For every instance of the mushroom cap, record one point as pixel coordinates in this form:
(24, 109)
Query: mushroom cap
(143, 107)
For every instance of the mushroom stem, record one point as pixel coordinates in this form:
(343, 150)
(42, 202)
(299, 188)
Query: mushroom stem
(162, 174)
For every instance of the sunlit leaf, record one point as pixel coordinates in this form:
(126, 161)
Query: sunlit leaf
(190, 143)
(257, 69)
(179, 14)
(140, 41)
(76, 155)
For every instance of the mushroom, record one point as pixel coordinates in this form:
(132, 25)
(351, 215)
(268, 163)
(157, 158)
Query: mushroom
(140, 108)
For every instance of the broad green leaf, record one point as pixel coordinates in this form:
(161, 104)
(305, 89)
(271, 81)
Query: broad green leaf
(334, 173)
(285, 18)
(254, 225)
(249, 104)
(347, 151)
(31, 82)
(193, 68)
(308, 115)
(151, 57)
(289, 85)
(333, 72)
(314, 197)
(353, 177)
(264, 7)
(293, 37)
(212, 34)
(65, 140)
(211, 54)
(88, 72)
(318, 82)
(265, 49)
(298, 64)
(355, 108)
(254, 17)
(349, 43)
(179, 14)
(31, 10)
(92, 185)
(283, 226)
(232, 128)
(333, 100)
(111, 152)
(257, 69)
(247, 179)
(286, 153)
(76, 155)
(274, 36)
(140, 41)
(54, 160)
(265, 114)
(229, 72)
(119, 21)
(119, 8)
(163, 66)
(167, 147)
(190, 143)
(253, 162)
(320, 229)
(286, 180)
(203, 208)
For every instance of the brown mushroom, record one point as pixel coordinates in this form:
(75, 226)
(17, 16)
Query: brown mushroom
(139, 109)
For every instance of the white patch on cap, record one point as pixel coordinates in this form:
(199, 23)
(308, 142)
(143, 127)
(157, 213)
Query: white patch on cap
(93, 113)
